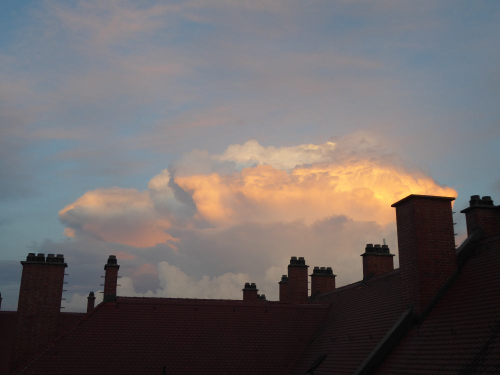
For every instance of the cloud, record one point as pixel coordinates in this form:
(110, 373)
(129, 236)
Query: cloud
(251, 183)
(215, 221)
(118, 215)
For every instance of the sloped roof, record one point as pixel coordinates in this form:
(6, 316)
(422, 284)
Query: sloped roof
(8, 324)
(142, 335)
(360, 316)
(461, 335)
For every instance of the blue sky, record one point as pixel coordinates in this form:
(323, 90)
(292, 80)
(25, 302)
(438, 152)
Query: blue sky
(96, 96)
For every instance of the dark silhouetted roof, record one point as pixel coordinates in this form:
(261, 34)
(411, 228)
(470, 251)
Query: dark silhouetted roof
(461, 335)
(359, 317)
(141, 335)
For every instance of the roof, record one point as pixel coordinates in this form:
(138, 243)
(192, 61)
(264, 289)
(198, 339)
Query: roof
(461, 334)
(142, 335)
(8, 323)
(360, 315)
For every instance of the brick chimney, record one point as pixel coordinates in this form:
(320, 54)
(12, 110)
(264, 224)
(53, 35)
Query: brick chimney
(90, 302)
(39, 304)
(297, 280)
(284, 289)
(250, 292)
(377, 260)
(482, 215)
(426, 241)
(322, 280)
(111, 279)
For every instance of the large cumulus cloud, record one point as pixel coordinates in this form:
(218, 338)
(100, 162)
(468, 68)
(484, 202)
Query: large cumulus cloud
(212, 222)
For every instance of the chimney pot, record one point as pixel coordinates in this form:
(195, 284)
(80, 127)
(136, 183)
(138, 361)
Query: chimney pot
(482, 215)
(487, 201)
(40, 257)
(322, 280)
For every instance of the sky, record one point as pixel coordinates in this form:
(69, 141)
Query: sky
(205, 142)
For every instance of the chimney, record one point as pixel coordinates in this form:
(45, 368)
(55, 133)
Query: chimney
(427, 256)
(377, 260)
(90, 302)
(250, 292)
(284, 289)
(111, 279)
(322, 280)
(39, 304)
(297, 281)
(482, 215)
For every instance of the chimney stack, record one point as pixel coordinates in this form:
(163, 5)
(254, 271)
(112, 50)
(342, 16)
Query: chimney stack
(250, 292)
(482, 215)
(377, 260)
(90, 302)
(297, 280)
(322, 280)
(427, 255)
(39, 304)
(284, 289)
(111, 279)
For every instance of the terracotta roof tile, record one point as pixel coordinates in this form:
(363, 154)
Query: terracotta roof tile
(462, 333)
(360, 315)
(140, 336)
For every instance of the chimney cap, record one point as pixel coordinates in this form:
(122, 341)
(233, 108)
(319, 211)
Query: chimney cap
(377, 249)
(250, 286)
(323, 271)
(300, 262)
(112, 262)
(477, 201)
(284, 279)
(413, 196)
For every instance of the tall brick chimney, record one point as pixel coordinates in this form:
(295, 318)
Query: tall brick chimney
(297, 280)
(482, 215)
(426, 241)
(39, 304)
(250, 292)
(284, 289)
(322, 280)
(111, 279)
(377, 260)
(90, 302)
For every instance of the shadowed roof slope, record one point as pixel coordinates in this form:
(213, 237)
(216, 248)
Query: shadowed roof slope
(461, 335)
(142, 335)
(360, 316)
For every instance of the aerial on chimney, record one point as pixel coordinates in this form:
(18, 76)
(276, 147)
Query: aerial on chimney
(482, 215)
(377, 260)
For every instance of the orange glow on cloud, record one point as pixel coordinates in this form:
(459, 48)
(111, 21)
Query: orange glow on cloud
(125, 216)
(362, 191)
(301, 183)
